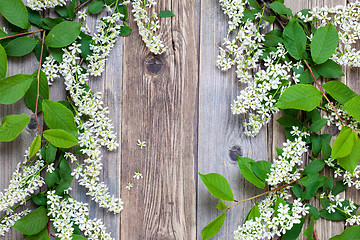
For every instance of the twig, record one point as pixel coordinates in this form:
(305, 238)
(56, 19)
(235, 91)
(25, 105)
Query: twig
(315, 237)
(21, 34)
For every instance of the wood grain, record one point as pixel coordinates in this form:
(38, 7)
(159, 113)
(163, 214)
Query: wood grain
(159, 106)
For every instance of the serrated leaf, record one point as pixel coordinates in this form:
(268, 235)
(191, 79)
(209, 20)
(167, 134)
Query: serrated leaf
(312, 183)
(353, 107)
(352, 233)
(33, 222)
(63, 34)
(324, 43)
(248, 173)
(294, 39)
(14, 87)
(31, 94)
(35, 146)
(339, 91)
(15, 12)
(213, 227)
(60, 138)
(313, 212)
(350, 162)
(57, 116)
(166, 14)
(96, 6)
(329, 69)
(300, 96)
(123, 9)
(221, 206)
(3, 62)
(318, 125)
(314, 166)
(218, 186)
(43, 235)
(343, 144)
(12, 125)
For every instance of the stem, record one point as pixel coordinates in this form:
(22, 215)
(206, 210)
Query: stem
(324, 94)
(262, 194)
(38, 83)
(315, 236)
(21, 34)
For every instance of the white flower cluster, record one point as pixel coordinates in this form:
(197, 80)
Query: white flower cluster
(9, 220)
(282, 168)
(66, 212)
(234, 10)
(332, 117)
(39, 5)
(148, 25)
(24, 182)
(347, 19)
(272, 223)
(350, 179)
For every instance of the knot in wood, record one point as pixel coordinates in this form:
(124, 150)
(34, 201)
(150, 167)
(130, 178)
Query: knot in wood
(153, 64)
(234, 152)
(32, 126)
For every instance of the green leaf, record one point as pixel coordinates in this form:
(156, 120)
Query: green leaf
(325, 150)
(63, 34)
(34, 17)
(166, 14)
(50, 23)
(306, 77)
(12, 125)
(336, 216)
(294, 39)
(329, 69)
(324, 43)
(57, 116)
(261, 169)
(43, 235)
(300, 96)
(272, 40)
(313, 212)
(96, 6)
(249, 15)
(33, 222)
(39, 199)
(64, 169)
(31, 94)
(350, 162)
(248, 173)
(315, 144)
(297, 190)
(14, 87)
(254, 4)
(343, 144)
(294, 232)
(125, 30)
(52, 178)
(218, 186)
(57, 54)
(213, 227)
(221, 206)
(15, 12)
(328, 184)
(269, 19)
(352, 233)
(314, 115)
(353, 107)
(85, 42)
(312, 183)
(3, 62)
(78, 237)
(50, 153)
(62, 11)
(314, 166)
(318, 125)
(71, 9)
(339, 187)
(35, 146)
(123, 9)
(253, 213)
(60, 138)
(339, 91)
(309, 231)
(64, 184)
(281, 9)
(289, 121)
(20, 46)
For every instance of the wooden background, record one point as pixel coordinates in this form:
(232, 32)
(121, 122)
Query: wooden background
(179, 103)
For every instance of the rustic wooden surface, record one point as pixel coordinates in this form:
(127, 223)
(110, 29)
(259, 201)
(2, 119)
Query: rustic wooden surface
(179, 103)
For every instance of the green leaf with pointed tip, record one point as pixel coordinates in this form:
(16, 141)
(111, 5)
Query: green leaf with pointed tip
(261, 169)
(63, 34)
(281, 9)
(300, 96)
(14, 87)
(329, 69)
(352, 233)
(52, 178)
(294, 232)
(12, 125)
(324, 43)
(35, 146)
(64, 169)
(15, 12)
(248, 173)
(213, 227)
(353, 107)
(343, 144)
(253, 213)
(294, 39)
(314, 166)
(60, 138)
(166, 14)
(20, 46)
(125, 30)
(221, 206)
(39, 199)
(350, 162)
(318, 125)
(78, 237)
(254, 4)
(43, 235)
(50, 153)
(338, 188)
(3, 62)
(33, 222)
(218, 186)
(339, 91)
(31, 94)
(96, 6)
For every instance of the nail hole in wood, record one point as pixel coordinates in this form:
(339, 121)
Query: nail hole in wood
(32, 126)
(234, 152)
(153, 64)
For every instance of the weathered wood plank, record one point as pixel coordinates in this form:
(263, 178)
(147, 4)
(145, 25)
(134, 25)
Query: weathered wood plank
(159, 106)
(221, 134)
